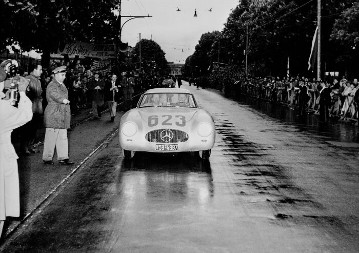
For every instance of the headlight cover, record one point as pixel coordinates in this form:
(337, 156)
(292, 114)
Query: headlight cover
(204, 129)
(129, 128)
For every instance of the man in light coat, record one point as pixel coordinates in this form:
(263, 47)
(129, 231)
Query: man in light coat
(11, 118)
(111, 95)
(57, 118)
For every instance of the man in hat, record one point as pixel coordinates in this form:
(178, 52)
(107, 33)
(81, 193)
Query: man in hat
(11, 117)
(57, 118)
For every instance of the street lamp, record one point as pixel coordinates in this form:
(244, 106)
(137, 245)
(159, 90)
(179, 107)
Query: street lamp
(122, 25)
(121, 16)
(130, 18)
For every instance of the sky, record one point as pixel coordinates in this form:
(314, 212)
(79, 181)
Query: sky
(176, 32)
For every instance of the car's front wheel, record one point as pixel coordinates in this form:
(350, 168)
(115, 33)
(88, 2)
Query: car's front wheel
(127, 154)
(204, 154)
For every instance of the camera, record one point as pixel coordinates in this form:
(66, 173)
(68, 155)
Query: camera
(11, 82)
(12, 94)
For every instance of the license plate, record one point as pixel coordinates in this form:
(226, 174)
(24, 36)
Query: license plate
(166, 147)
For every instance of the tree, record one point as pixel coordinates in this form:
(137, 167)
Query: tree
(205, 52)
(346, 27)
(152, 57)
(49, 24)
(280, 29)
(346, 33)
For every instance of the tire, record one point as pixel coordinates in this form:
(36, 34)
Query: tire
(127, 154)
(194, 154)
(205, 154)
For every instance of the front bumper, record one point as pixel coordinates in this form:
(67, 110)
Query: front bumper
(139, 143)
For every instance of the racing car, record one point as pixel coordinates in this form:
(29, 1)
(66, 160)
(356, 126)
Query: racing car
(167, 120)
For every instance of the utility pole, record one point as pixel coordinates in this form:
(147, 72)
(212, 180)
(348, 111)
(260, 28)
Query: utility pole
(119, 18)
(119, 22)
(247, 42)
(319, 41)
(139, 48)
(219, 48)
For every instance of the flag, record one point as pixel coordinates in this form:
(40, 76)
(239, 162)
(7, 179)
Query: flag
(314, 51)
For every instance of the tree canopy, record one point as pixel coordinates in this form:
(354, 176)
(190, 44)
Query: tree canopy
(48, 24)
(283, 29)
(152, 57)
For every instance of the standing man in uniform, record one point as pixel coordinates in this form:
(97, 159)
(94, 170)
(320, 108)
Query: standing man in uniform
(112, 95)
(57, 119)
(11, 118)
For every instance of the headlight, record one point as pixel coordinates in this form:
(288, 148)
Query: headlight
(204, 129)
(129, 129)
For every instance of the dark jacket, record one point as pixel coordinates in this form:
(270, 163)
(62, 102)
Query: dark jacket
(57, 114)
(325, 98)
(97, 95)
(35, 93)
(112, 95)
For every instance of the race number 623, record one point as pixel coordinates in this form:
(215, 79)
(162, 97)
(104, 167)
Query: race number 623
(166, 120)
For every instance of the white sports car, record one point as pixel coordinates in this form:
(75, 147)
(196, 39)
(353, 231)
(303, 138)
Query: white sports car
(167, 120)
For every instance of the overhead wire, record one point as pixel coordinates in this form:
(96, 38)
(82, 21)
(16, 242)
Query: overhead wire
(286, 14)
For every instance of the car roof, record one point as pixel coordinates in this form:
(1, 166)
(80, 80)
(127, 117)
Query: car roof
(168, 90)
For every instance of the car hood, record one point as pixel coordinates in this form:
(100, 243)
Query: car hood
(188, 113)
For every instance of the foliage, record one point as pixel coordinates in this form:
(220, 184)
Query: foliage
(222, 78)
(346, 27)
(205, 51)
(282, 29)
(346, 33)
(152, 57)
(47, 24)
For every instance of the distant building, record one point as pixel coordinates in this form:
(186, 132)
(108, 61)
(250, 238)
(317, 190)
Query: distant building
(176, 68)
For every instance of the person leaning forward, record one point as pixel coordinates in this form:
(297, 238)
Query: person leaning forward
(11, 118)
(57, 119)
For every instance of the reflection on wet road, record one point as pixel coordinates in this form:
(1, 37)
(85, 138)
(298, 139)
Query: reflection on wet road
(270, 186)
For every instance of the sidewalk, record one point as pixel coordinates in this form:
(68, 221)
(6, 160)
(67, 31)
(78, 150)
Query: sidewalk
(39, 181)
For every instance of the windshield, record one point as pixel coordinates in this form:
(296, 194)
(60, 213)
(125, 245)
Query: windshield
(168, 100)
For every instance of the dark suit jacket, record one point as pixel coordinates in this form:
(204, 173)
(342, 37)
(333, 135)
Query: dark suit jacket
(112, 95)
(97, 95)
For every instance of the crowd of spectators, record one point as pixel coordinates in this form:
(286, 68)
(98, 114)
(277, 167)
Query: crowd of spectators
(80, 83)
(304, 94)
(330, 98)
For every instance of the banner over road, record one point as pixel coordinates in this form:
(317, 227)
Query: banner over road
(83, 49)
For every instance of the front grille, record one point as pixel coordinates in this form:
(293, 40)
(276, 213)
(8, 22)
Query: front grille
(166, 136)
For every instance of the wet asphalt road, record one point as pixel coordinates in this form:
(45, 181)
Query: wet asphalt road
(270, 186)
